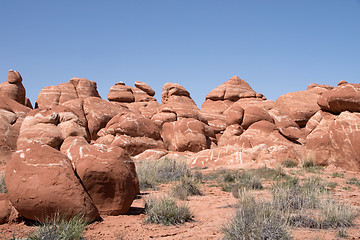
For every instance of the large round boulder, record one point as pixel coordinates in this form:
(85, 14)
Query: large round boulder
(41, 183)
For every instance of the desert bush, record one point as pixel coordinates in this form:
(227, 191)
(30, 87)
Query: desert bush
(59, 228)
(269, 173)
(309, 165)
(235, 182)
(188, 186)
(337, 175)
(353, 181)
(290, 195)
(334, 214)
(256, 220)
(151, 173)
(2, 183)
(165, 211)
(289, 163)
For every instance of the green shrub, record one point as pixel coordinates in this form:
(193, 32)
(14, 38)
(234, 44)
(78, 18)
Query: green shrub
(256, 220)
(187, 186)
(289, 163)
(2, 183)
(269, 173)
(353, 181)
(310, 166)
(60, 229)
(235, 182)
(337, 175)
(165, 211)
(151, 173)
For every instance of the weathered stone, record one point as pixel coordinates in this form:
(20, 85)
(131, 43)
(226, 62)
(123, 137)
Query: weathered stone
(41, 183)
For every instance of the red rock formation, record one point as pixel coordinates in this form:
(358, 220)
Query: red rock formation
(299, 106)
(41, 183)
(133, 132)
(345, 97)
(12, 115)
(107, 173)
(13, 87)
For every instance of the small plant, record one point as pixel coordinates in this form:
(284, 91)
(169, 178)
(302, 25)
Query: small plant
(60, 229)
(342, 233)
(310, 166)
(269, 173)
(289, 163)
(2, 183)
(353, 181)
(151, 173)
(337, 175)
(188, 186)
(256, 220)
(308, 163)
(332, 185)
(165, 211)
(238, 181)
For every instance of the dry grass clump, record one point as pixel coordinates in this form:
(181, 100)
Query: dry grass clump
(188, 186)
(307, 205)
(289, 163)
(294, 204)
(165, 211)
(256, 220)
(59, 228)
(151, 173)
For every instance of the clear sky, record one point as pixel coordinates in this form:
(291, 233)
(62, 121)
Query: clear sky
(277, 46)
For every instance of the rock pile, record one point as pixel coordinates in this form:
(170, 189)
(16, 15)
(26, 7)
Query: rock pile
(74, 152)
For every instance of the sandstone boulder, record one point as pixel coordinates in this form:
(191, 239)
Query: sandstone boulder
(41, 183)
(5, 208)
(299, 106)
(13, 88)
(176, 99)
(121, 93)
(133, 132)
(186, 134)
(99, 112)
(107, 173)
(234, 115)
(76, 88)
(345, 97)
(254, 114)
(335, 141)
(146, 88)
(12, 115)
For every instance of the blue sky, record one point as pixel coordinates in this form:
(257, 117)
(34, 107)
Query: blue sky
(277, 46)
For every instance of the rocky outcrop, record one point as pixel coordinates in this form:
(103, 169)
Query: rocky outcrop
(76, 88)
(131, 131)
(12, 115)
(224, 96)
(335, 140)
(345, 97)
(183, 128)
(140, 99)
(298, 106)
(107, 173)
(13, 88)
